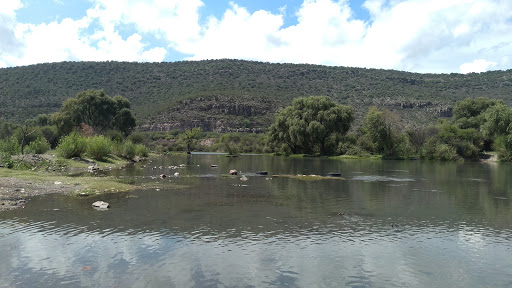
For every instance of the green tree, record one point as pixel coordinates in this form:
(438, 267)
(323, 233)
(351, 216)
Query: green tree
(190, 137)
(307, 125)
(97, 110)
(498, 120)
(468, 113)
(382, 131)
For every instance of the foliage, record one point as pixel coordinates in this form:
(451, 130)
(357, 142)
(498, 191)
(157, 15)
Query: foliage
(497, 121)
(10, 146)
(38, 146)
(141, 150)
(469, 112)
(433, 150)
(308, 123)
(503, 145)
(95, 109)
(99, 147)
(190, 137)
(73, 145)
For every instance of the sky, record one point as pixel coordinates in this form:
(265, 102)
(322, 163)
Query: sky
(426, 36)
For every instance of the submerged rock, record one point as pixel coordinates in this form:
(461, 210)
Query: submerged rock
(334, 174)
(263, 173)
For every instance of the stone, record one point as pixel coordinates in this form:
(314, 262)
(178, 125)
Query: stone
(92, 169)
(100, 205)
(334, 174)
(233, 172)
(263, 173)
(243, 178)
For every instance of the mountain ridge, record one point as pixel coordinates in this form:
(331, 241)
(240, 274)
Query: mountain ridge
(238, 95)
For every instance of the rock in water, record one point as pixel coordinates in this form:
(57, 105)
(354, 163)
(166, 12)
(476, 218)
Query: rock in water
(233, 172)
(243, 178)
(100, 205)
(263, 173)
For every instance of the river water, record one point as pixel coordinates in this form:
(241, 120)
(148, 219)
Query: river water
(385, 224)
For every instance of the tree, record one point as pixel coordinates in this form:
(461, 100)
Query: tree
(469, 112)
(309, 123)
(190, 137)
(498, 120)
(378, 131)
(96, 109)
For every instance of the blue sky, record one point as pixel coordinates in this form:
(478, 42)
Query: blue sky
(433, 36)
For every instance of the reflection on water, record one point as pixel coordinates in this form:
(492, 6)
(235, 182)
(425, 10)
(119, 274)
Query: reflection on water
(390, 223)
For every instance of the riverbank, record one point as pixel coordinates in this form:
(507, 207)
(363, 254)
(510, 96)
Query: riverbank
(47, 174)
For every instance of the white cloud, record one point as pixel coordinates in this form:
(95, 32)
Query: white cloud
(413, 35)
(477, 66)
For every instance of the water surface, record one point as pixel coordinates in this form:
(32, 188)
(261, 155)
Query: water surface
(388, 223)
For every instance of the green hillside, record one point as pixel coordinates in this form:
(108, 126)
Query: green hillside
(223, 95)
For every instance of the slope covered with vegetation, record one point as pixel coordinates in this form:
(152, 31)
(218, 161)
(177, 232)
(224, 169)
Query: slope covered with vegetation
(225, 95)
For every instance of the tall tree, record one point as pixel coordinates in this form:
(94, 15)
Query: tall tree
(308, 124)
(97, 110)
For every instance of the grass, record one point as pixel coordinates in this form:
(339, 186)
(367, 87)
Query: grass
(76, 185)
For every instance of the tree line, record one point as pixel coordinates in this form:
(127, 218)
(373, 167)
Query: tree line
(314, 125)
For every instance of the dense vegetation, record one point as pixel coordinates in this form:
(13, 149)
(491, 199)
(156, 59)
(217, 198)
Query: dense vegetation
(92, 123)
(228, 95)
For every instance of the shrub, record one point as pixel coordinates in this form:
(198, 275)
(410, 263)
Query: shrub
(503, 145)
(141, 150)
(73, 145)
(136, 138)
(128, 150)
(99, 147)
(445, 152)
(38, 146)
(10, 146)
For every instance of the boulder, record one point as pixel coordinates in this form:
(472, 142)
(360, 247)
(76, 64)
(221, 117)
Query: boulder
(263, 173)
(233, 172)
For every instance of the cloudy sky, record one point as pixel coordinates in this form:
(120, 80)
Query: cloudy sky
(437, 36)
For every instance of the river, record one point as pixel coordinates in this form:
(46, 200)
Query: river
(383, 224)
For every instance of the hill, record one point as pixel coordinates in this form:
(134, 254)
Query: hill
(225, 95)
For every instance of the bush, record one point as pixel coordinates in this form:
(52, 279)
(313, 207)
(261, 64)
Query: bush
(446, 152)
(503, 145)
(73, 145)
(38, 146)
(99, 147)
(10, 146)
(136, 138)
(434, 150)
(128, 150)
(141, 150)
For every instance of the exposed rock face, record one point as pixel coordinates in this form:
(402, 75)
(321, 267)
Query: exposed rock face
(218, 113)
